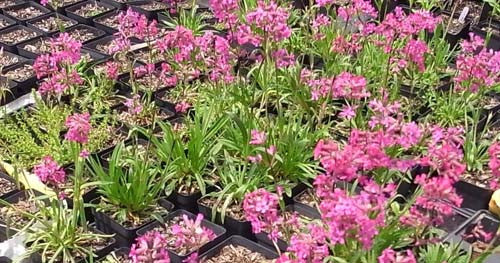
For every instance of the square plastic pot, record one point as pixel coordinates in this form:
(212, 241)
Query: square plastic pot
(219, 232)
(10, 21)
(108, 225)
(240, 241)
(13, 181)
(5, 232)
(8, 3)
(494, 42)
(11, 47)
(97, 33)
(65, 5)
(8, 11)
(32, 23)
(98, 22)
(150, 14)
(71, 11)
(25, 85)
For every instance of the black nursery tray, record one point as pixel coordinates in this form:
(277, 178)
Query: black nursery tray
(120, 4)
(65, 4)
(6, 22)
(33, 48)
(149, 8)
(25, 34)
(107, 22)
(480, 30)
(74, 11)
(8, 59)
(85, 34)
(243, 242)
(26, 82)
(36, 23)
(23, 18)
(219, 231)
(9, 3)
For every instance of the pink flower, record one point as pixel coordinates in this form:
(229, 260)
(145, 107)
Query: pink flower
(49, 172)
(415, 50)
(271, 20)
(78, 128)
(348, 112)
(391, 256)
(84, 153)
(44, 2)
(226, 11)
(192, 233)
(283, 58)
(320, 20)
(182, 107)
(134, 105)
(255, 159)
(271, 150)
(494, 164)
(112, 69)
(261, 209)
(258, 137)
(151, 247)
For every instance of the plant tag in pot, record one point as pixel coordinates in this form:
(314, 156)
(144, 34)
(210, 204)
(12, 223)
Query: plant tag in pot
(463, 15)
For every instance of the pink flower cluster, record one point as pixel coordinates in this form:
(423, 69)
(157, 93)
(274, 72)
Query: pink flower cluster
(151, 247)
(226, 11)
(415, 51)
(192, 233)
(49, 172)
(78, 128)
(345, 85)
(310, 247)
(477, 66)
(57, 65)
(494, 164)
(267, 20)
(356, 8)
(261, 209)
(134, 105)
(391, 256)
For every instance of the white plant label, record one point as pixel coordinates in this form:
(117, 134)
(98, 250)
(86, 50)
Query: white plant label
(463, 15)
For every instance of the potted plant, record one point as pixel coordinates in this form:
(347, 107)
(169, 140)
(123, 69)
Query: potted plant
(238, 249)
(84, 12)
(50, 23)
(12, 36)
(25, 11)
(130, 193)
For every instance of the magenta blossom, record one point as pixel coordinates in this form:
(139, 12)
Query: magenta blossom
(182, 107)
(391, 256)
(151, 247)
(494, 164)
(258, 137)
(192, 233)
(78, 128)
(49, 172)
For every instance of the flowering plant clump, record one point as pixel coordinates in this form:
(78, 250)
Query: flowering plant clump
(49, 172)
(191, 233)
(151, 247)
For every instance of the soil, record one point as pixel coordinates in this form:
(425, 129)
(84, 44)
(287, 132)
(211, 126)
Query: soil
(6, 186)
(475, 9)
(16, 36)
(307, 198)
(82, 34)
(52, 24)
(20, 74)
(455, 25)
(150, 82)
(3, 23)
(113, 258)
(481, 179)
(18, 220)
(152, 6)
(24, 12)
(104, 47)
(234, 210)
(132, 221)
(171, 238)
(490, 102)
(235, 253)
(91, 10)
(126, 117)
(7, 3)
(40, 46)
(7, 60)
(144, 56)
(109, 21)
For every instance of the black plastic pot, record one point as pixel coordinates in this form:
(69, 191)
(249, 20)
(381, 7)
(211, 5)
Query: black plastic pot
(11, 47)
(109, 226)
(13, 181)
(14, 91)
(489, 223)
(123, 4)
(97, 21)
(95, 57)
(454, 222)
(474, 197)
(150, 14)
(25, 85)
(32, 53)
(122, 251)
(99, 254)
(8, 3)
(7, 233)
(494, 42)
(104, 40)
(240, 241)
(17, 59)
(65, 5)
(305, 207)
(233, 226)
(97, 33)
(71, 11)
(7, 11)
(282, 244)
(453, 38)
(32, 23)
(219, 231)
(10, 21)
